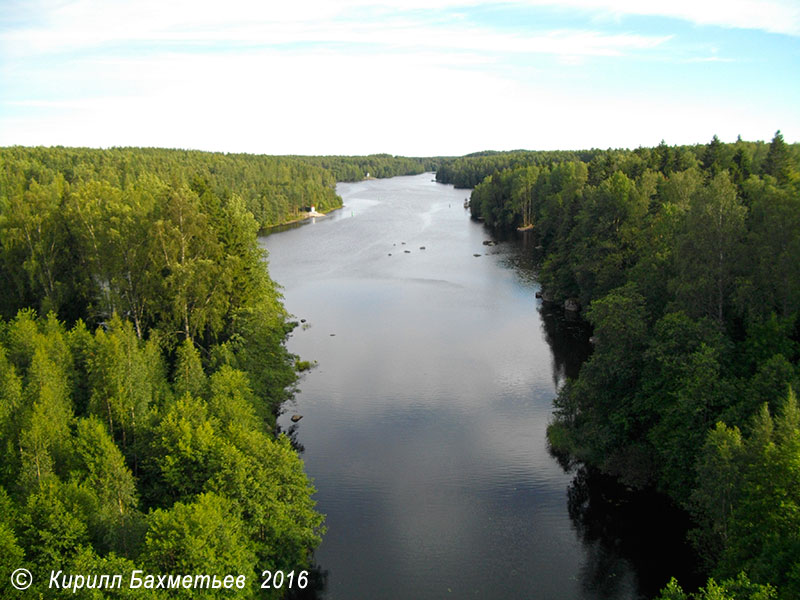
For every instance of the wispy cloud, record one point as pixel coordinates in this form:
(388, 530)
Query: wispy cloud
(407, 76)
(54, 26)
(178, 25)
(773, 16)
(709, 59)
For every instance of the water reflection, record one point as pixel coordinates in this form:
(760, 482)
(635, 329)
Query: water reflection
(317, 584)
(424, 423)
(568, 338)
(629, 536)
(291, 432)
(566, 333)
(625, 531)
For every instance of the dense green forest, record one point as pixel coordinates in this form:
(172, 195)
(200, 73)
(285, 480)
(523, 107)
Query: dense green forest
(273, 189)
(379, 166)
(142, 362)
(686, 261)
(470, 170)
(142, 355)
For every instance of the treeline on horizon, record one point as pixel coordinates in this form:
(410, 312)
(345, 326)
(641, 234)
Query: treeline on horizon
(142, 355)
(275, 189)
(470, 170)
(686, 261)
(378, 166)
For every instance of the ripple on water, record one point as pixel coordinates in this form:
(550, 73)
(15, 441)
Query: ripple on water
(424, 423)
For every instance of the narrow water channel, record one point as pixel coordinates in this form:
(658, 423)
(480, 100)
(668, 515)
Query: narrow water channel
(423, 425)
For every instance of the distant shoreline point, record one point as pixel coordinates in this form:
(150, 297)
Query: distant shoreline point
(305, 216)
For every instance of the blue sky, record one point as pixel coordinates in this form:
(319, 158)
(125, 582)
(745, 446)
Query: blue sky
(412, 77)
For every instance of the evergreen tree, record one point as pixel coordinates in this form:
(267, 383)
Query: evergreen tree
(777, 162)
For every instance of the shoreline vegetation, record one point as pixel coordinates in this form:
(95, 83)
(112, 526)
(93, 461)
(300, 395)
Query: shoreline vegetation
(143, 358)
(304, 216)
(685, 260)
(143, 362)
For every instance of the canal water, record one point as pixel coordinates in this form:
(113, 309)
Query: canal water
(423, 423)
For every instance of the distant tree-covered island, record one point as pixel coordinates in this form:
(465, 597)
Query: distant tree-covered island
(686, 262)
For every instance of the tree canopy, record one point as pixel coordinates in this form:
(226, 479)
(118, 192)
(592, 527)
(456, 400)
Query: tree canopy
(685, 261)
(142, 362)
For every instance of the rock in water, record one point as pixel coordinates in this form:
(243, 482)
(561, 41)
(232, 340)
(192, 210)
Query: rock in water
(296, 418)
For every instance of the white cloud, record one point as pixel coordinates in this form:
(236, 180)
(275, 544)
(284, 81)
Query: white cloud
(84, 24)
(774, 16)
(269, 102)
(98, 19)
(350, 77)
(57, 26)
(709, 59)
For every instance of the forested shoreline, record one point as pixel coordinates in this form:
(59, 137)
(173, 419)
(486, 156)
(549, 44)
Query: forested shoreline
(143, 362)
(142, 356)
(686, 262)
(470, 170)
(378, 166)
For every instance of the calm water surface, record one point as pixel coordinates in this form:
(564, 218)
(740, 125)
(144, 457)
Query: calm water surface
(424, 423)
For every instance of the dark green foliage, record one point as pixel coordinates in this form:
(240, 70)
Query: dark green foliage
(148, 418)
(468, 171)
(765, 519)
(273, 188)
(166, 241)
(379, 166)
(747, 499)
(778, 161)
(144, 439)
(719, 479)
(709, 252)
(716, 157)
(128, 481)
(686, 263)
(740, 588)
(742, 166)
(771, 273)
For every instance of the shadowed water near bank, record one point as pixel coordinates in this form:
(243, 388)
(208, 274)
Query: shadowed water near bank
(424, 423)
